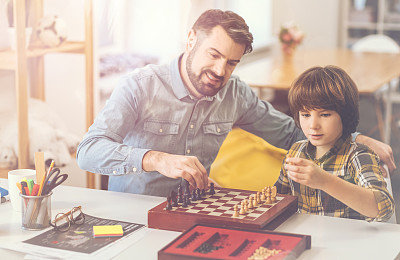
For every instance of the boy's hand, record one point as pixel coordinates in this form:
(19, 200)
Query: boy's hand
(305, 172)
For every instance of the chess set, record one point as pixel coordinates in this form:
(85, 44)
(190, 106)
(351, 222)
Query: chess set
(211, 242)
(222, 207)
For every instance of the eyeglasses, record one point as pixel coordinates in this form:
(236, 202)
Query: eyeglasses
(63, 221)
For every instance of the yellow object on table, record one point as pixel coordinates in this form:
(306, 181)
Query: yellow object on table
(246, 161)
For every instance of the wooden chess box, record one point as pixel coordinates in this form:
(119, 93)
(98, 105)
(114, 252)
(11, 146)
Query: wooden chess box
(218, 210)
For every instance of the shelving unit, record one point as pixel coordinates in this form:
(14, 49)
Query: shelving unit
(362, 18)
(33, 57)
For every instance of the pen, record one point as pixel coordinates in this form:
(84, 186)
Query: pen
(35, 190)
(19, 186)
(44, 178)
(23, 185)
(30, 185)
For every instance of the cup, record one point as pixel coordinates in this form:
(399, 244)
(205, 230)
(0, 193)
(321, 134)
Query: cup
(36, 211)
(15, 176)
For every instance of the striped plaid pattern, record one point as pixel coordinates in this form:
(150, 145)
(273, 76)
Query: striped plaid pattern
(351, 161)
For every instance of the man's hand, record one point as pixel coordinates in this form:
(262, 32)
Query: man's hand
(383, 150)
(306, 172)
(176, 166)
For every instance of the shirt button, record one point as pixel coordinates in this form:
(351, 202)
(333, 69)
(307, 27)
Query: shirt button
(134, 169)
(191, 126)
(188, 151)
(160, 130)
(218, 130)
(114, 172)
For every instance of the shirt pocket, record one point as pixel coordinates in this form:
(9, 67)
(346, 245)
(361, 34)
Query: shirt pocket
(160, 134)
(214, 136)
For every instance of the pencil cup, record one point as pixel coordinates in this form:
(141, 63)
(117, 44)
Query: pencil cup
(36, 211)
(15, 176)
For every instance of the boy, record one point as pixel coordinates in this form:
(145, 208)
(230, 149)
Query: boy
(329, 173)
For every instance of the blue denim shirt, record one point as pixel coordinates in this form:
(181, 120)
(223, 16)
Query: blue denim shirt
(151, 109)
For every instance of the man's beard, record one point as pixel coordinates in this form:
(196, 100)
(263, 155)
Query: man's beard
(204, 89)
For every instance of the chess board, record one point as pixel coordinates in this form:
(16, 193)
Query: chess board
(217, 209)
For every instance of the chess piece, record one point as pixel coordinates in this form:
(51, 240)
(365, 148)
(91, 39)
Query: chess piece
(255, 201)
(246, 208)
(242, 209)
(212, 190)
(187, 198)
(250, 205)
(268, 200)
(180, 194)
(199, 197)
(263, 194)
(235, 211)
(203, 193)
(174, 199)
(194, 195)
(169, 205)
(184, 203)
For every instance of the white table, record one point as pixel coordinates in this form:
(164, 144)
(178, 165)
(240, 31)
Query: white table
(331, 238)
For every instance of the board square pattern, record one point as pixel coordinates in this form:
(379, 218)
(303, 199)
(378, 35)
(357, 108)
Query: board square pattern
(221, 204)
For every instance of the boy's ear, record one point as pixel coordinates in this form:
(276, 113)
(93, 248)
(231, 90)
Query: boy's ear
(191, 41)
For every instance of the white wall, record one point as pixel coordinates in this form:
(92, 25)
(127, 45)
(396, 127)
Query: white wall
(318, 19)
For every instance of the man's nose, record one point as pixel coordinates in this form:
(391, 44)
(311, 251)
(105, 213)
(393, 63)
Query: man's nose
(219, 68)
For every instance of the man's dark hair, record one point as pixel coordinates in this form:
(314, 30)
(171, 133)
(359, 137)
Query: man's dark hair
(328, 88)
(234, 25)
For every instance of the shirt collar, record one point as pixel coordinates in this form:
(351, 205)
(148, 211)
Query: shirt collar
(178, 87)
(310, 149)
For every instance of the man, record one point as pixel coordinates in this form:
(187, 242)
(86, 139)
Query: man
(163, 124)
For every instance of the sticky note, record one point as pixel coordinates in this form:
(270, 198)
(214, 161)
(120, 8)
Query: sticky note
(108, 231)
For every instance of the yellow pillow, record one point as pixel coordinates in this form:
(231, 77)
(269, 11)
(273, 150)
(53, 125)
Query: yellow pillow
(246, 161)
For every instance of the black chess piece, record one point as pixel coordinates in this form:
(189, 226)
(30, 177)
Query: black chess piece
(174, 199)
(203, 193)
(198, 194)
(180, 194)
(194, 195)
(184, 203)
(212, 190)
(169, 205)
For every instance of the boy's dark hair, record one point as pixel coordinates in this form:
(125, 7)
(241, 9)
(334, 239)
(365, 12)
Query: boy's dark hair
(328, 88)
(234, 25)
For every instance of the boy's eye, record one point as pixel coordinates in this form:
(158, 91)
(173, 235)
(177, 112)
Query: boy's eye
(304, 114)
(326, 115)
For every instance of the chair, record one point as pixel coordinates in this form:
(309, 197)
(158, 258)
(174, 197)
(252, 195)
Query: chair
(376, 43)
(388, 93)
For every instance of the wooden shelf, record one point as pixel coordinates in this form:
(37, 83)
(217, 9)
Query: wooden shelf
(33, 57)
(378, 22)
(8, 57)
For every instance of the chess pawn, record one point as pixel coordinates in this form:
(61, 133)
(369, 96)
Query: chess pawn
(242, 209)
(268, 201)
(255, 202)
(258, 198)
(263, 198)
(235, 211)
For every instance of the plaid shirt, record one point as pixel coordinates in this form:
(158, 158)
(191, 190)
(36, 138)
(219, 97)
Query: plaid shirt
(351, 161)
